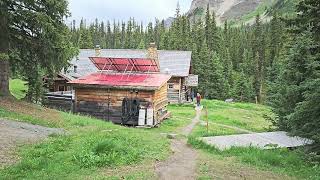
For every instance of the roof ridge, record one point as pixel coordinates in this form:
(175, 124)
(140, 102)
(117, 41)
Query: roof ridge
(164, 50)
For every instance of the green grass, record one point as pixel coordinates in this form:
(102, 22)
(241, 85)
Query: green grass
(241, 115)
(282, 161)
(250, 117)
(90, 144)
(201, 131)
(27, 118)
(94, 149)
(182, 115)
(18, 88)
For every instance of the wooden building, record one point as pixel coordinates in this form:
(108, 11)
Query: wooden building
(175, 63)
(59, 84)
(121, 88)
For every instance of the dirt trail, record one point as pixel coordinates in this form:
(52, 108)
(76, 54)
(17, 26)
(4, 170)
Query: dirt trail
(182, 164)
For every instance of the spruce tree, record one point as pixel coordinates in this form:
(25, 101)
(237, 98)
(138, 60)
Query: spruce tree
(208, 28)
(298, 97)
(216, 83)
(40, 39)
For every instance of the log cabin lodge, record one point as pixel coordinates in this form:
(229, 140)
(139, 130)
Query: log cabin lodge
(175, 63)
(131, 87)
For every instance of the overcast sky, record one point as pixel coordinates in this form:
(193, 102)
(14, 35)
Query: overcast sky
(141, 10)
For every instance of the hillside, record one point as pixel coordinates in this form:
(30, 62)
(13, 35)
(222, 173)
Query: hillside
(240, 11)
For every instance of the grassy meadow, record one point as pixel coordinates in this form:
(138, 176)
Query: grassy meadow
(236, 118)
(94, 149)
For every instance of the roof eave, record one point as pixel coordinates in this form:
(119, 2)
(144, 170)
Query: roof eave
(99, 86)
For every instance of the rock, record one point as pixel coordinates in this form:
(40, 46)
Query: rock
(171, 136)
(229, 100)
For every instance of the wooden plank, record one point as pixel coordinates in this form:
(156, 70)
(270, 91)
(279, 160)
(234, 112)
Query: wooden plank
(267, 140)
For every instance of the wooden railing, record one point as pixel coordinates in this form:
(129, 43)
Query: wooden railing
(62, 100)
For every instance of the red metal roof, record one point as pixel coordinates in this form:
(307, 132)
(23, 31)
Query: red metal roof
(135, 81)
(125, 64)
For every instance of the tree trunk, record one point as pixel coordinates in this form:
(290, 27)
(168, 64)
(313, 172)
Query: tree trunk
(4, 78)
(4, 47)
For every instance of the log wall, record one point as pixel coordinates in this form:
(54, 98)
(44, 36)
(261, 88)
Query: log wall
(177, 94)
(107, 104)
(160, 102)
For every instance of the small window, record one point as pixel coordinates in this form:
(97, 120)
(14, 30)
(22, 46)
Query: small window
(69, 88)
(61, 88)
(170, 86)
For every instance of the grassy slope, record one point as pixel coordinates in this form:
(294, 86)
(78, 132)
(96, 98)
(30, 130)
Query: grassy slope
(241, 115)
(267, 8)
(261, 9)
(91, 148)
(250, 117)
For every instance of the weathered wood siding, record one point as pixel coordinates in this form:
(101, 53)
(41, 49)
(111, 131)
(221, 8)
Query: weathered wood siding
(160, 102)
(107, 104)
(177, 94)
(59, 100)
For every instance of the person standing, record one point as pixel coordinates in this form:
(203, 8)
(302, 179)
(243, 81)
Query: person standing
(198, 99)
(191, 95)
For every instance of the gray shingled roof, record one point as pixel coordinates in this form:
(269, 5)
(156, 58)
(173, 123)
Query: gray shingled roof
(176, 62)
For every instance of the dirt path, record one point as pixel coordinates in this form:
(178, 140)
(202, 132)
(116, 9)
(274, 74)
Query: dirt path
(13, 134)
(183, 163)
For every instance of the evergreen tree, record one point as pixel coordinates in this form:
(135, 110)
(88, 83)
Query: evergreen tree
(110, 40)
(216, 84)
(258, 49)
(208, 29)
(202, 69)
(297, 99)
(41, 41)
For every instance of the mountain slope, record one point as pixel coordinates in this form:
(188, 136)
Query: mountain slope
(240, 11)
(224, 9)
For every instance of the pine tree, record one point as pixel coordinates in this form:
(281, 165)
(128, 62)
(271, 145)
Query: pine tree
(44, 47)
(297, 99)
(150, 34)
(202, 69)
(216, 85)
(142, 45)
(208, 29)
(258, 49)
(123, 35)
(216, 39)
(227, 72)
(110, 40)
